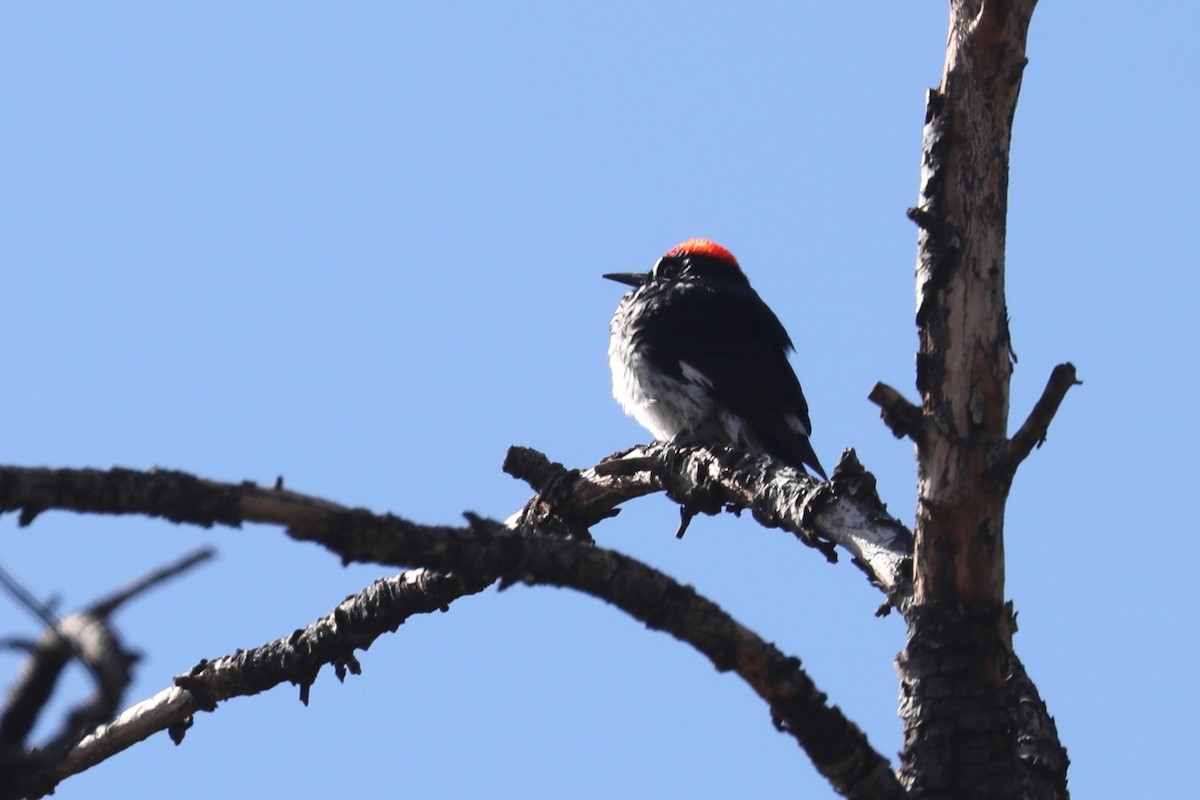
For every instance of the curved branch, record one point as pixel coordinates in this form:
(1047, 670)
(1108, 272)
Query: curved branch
(354, 624)
(480, 553)
(849, 513)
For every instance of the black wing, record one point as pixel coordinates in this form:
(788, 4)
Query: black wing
(733, 339)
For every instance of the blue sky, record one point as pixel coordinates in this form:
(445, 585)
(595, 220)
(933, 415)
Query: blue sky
(360, 247)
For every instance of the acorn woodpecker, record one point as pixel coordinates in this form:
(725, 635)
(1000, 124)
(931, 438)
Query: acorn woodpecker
(698, 358)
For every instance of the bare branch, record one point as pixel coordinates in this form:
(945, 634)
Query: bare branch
(480, 554)
(844, 511)
(108, 605)
(26, 598)
(88, 637)
(93, 641)
(847, 511)
(354, 624)
(851, 515)
(1033, 433)
(902, 417)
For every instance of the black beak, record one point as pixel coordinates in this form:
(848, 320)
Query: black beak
(629, 278)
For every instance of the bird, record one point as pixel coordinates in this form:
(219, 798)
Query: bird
(698, 358)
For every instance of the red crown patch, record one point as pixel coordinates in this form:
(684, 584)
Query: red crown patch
(703, 247)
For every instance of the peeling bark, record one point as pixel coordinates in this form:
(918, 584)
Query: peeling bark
(961, 717)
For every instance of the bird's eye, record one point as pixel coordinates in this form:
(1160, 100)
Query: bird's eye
(668, 267)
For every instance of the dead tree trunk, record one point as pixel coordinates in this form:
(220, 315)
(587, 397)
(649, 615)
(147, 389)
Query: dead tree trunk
(960, 716)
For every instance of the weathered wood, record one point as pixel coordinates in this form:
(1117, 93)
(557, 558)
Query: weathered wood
(960, 715)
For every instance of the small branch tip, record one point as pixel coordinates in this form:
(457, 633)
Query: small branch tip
(903, 418)
(1032, 434)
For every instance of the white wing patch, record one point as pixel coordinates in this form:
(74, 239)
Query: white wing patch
(795, 424)
(693, 375)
